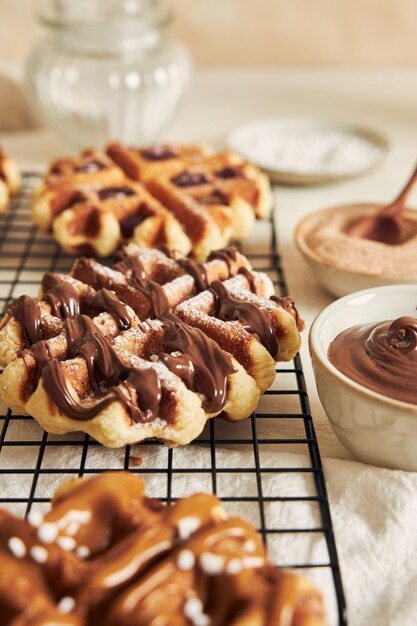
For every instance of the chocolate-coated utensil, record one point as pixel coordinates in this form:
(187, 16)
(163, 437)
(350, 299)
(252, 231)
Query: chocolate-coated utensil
(388, 224)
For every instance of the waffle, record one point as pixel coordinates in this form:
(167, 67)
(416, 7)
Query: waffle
(91, 206)
(194, 200)
(152, 347)
(215, 198)
(107, 554)
(9, 181)
(150, 162)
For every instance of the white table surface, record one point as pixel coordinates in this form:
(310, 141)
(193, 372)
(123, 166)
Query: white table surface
(221, 99)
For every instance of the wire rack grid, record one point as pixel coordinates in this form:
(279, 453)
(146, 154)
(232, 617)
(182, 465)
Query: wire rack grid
(267, 468)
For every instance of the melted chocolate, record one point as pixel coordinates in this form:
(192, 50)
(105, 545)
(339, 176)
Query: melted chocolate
(217, 197)
(197, 271)
(169, 252)
(136, 276)
(26, 310)
(288, 304)
(229, 172)
(381, 357)
(227, 255)
(131, 265)
(253, 319)
(90, 167)
(61, 296)
(115, 192)
(201, 364)
(158, 153)
(109, 376)
(106, 300)
(191, 179)
(249, 277)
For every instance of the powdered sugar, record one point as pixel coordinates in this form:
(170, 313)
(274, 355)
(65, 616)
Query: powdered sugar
(321, 151)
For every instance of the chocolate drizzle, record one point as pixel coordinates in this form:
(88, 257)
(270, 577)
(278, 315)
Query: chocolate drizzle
(169, 252)
(197, 271)
(381, 357)
(229, 172)
(106, 300)
(158, 153)
(26, 310)
(109, 376)
(253, 319)
(136, 276)
(227, 255)
(288, 304)
(61, 296)
(249, 277)
(191, 179)
(216, 197)
(115, 192)
(132, 266)
(198, 361)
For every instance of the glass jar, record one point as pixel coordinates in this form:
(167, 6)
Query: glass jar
(107, 70)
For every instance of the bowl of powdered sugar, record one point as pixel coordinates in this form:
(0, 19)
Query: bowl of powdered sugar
(309, 150)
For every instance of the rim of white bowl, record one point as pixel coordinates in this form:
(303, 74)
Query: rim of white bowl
(317, 352)
(300, 241)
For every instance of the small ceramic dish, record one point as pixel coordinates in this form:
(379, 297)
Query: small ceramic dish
(279, 146)
(374, 428)
(338, 281)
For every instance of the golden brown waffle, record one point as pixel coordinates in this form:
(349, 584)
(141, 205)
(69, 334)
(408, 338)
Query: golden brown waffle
(215, 197)
(152, 161)
(9, 181)
(89, 215)
(200, 201)
(152, 347)
(107, 554)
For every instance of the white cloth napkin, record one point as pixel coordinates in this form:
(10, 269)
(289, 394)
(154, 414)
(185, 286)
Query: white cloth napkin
(374, 514)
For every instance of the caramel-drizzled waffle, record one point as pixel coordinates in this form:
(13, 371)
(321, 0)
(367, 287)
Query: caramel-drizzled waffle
(152, 347)
(9, 181)
(107, 554)
(93, 211)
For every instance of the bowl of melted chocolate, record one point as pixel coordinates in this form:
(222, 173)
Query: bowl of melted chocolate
(364, 353)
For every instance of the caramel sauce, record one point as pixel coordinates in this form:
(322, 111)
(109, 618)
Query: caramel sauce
(137, 562)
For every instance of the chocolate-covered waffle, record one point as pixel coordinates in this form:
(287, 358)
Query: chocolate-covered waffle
(107, 554)
(152, 347)
(9, 180)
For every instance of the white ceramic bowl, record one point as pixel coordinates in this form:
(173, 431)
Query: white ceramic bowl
(337, 281)
(373, 428)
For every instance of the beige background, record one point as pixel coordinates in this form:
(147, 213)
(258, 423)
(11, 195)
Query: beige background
(281, 32)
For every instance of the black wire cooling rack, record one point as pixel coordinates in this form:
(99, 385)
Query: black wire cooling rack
(267, 468)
